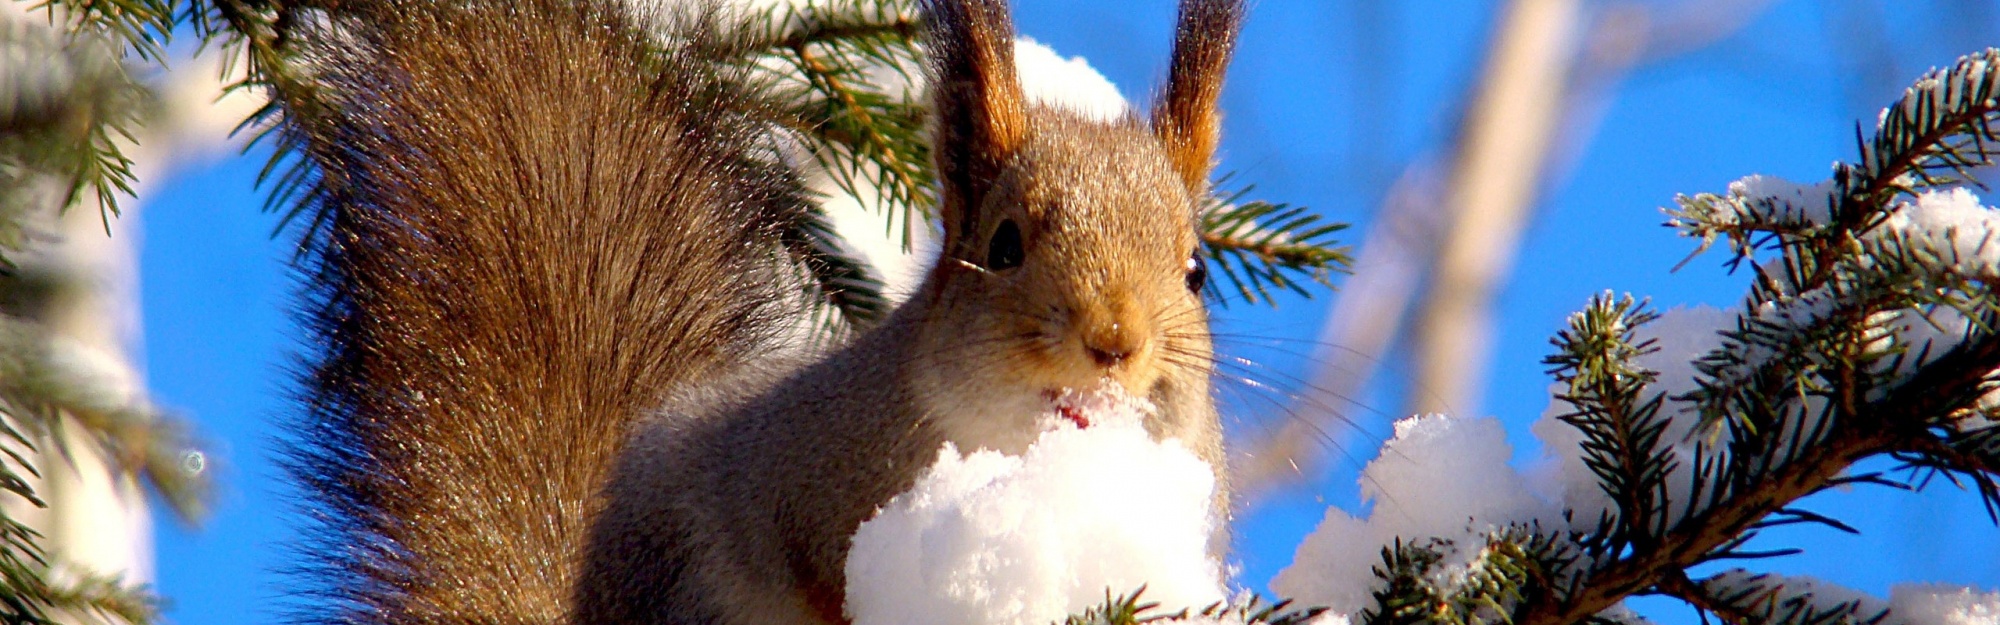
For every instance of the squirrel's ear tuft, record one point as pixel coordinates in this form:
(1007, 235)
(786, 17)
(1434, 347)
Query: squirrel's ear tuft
(981, 117)
(1186, 118)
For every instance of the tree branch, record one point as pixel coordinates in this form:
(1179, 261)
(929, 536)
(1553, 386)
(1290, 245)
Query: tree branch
(1677, 585)
(1899, 422)
(1689, 544)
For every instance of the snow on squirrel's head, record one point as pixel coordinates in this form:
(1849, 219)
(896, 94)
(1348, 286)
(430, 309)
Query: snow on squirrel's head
(987, 538)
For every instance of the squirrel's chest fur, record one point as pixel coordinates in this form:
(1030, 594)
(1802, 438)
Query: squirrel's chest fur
(741, 510)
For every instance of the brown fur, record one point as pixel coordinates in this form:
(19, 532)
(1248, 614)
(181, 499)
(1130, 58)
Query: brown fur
(545, 241)
(536, 236)
(980, 114)
(1186, 116)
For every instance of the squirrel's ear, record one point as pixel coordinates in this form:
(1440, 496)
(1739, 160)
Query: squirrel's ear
(980, 114)
(1186, 118)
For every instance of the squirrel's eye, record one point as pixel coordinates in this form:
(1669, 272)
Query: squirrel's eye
(1005, 251)
(1197, 272)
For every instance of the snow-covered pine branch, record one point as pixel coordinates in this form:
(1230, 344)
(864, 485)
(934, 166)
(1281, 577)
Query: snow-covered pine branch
(1869, 330)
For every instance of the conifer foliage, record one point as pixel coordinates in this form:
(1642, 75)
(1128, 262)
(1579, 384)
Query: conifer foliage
(1869, 331)
(1872, 328)
(70, 103)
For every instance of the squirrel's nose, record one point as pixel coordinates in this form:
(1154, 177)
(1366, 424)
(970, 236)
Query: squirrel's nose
(1110, 344)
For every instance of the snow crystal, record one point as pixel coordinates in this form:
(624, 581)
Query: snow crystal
(1943, 604)
(1440, 476)
(990, 539)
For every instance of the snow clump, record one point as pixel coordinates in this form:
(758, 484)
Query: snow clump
(985, 538)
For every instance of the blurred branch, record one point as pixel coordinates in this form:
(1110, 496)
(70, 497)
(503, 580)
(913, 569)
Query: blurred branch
(82, 444)
(1409, 241)
(1364, 323)
(1497, 172)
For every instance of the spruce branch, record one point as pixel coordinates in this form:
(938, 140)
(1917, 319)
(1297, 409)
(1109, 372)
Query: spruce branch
(1120, 610)
(1753, 479)
(71, 107)
(106, 103)
(1742, 598)
(846, 297)
(46, 386)
(1874, 331)
(70, 104)
(258, 34)
(34, 593)
(1622, 426)
(1431, 581)
(1260, 246)
(1690, 544)
(1757, 212)
(1677, 585)
(46, 382)
(1825, 367)
(835, 64)
(825, 63)
(1132, 609)
(138, 26)
(1936, 134)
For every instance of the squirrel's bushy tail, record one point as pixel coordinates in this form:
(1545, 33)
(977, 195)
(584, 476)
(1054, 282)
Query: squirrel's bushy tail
(539, 223)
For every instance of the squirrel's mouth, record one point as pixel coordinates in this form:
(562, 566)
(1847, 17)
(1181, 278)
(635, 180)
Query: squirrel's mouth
(1107, 403)
(1068, 410)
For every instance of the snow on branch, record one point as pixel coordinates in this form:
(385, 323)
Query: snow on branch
(1754, 205)
(1868, 331)
(1741, 596)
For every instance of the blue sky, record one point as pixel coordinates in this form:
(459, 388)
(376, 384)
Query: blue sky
(1777, 98)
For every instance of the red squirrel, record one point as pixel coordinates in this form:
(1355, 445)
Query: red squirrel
(551, 382)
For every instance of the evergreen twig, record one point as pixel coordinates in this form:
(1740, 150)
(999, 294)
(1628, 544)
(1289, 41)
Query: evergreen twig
(1816, 375)
(69, 106)
(847, 70)
(1131, 609)
(1867, 335)
(1260, 246)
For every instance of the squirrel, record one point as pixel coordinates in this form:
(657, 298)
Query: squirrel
(551, 306)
